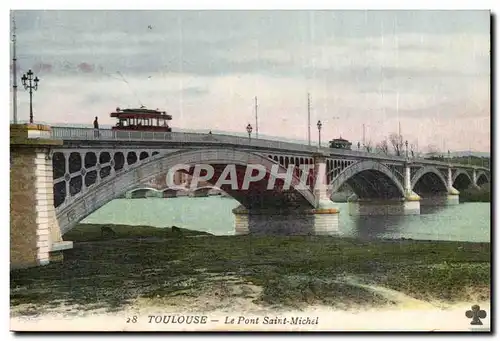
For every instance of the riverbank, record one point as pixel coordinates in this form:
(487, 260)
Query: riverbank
(160, 267)
(94, 232)
(481, 194)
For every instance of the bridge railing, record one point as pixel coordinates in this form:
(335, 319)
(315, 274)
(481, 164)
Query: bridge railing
(69, 133)
(72, 133)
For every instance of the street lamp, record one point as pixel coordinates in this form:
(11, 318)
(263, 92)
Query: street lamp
(359, 146)
(406, 145)
(319, 132)
(28, 81)
(249, 130)
(449, 158)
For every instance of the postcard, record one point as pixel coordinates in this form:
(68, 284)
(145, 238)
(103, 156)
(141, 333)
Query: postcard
(250, 170)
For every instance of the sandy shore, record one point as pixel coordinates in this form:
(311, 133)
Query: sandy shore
(237, 311)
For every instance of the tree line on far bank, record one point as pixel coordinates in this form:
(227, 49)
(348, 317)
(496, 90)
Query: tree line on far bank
(476, 194)
(396, 145)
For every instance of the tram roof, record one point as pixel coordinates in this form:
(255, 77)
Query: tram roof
(340, 140)
(140, 113)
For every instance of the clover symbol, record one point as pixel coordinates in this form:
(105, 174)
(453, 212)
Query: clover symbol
(476, 314)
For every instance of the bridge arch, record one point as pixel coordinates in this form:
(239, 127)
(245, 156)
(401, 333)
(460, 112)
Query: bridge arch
(461, 180)
(132, 178)
(145, 189)
(428, 179)
(161, 190)
(206, 188)
(369, 179)
(481, 178)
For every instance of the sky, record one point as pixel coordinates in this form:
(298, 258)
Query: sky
(427, 70)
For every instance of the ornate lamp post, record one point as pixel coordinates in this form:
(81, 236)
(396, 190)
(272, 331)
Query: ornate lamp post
(406, 145)
(30, 84)
(319, 132)
(249, 130)
(359, 146)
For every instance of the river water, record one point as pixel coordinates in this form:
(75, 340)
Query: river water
(463, 222)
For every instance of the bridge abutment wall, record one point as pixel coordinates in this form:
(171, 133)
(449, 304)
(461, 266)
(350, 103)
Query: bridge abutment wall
(34, 232)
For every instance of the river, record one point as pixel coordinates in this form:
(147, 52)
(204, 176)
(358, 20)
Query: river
(463, 222)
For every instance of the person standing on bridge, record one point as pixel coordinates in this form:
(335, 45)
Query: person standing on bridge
(96, 128)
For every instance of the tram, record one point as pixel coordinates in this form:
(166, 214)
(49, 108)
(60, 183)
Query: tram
(141, 119)
(340, 143)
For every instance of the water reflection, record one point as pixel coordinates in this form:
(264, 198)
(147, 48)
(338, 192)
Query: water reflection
(464, 222)
(293, 224)
(431, 209)
(376, 227)
(281, 225)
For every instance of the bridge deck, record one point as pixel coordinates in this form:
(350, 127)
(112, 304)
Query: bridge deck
(197, 140)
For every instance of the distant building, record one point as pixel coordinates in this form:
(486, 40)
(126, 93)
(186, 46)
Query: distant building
(340, 143)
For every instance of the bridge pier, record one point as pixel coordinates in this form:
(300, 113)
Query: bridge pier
(319, 221)
(411, 201)
(375, 207)
(35, 237)
(452, 197)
